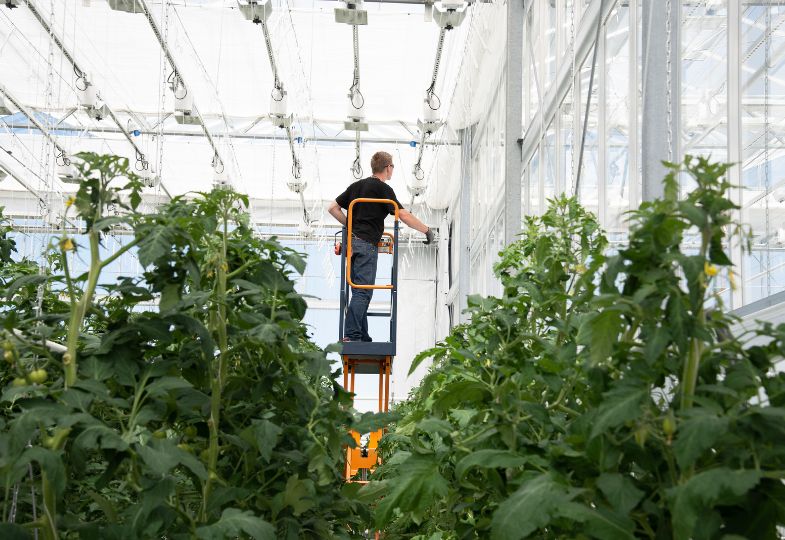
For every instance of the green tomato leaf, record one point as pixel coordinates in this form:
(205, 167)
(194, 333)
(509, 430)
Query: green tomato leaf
(373, 491)
(496, 459)
(297, 496)
(600, 522)
(156, 241)
(170, 296)
(697, 435)
(622, 403)
(163, 385)
(105, 505)
(266, 436)
(620, 491)
(24, 281)
(656, 340)
(51, 464)
(531, 507)
(370, 421)
(233, 522)
(605, 329)
(9, 531)
(220, 496)
(703, 491)
(162, 455)
(696, 216)
(415, 489)
(297, 262)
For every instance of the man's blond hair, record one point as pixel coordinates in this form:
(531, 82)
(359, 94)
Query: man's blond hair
(380, 161)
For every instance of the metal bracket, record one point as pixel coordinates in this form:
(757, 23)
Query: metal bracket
(448, 19)
(355, 126)
(351, 16)
(254, 11)
(129, 6)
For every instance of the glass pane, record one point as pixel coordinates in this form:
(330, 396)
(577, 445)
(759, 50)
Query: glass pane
(617, 118)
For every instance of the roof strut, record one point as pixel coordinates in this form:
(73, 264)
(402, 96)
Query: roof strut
(154, 25)
(588, 103)
(80, 73)
(278, 94)
(31, 117)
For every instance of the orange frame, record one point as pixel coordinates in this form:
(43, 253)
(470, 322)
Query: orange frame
(349, 243)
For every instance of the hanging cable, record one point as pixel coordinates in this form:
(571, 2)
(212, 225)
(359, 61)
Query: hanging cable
(588, 100)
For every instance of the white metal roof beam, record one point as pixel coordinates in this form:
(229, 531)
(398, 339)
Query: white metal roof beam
(584, 40)
(184, 133)
(156, 30)
(31, 117)
(70, 57)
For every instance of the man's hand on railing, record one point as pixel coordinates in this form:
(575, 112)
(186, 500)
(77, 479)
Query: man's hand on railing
(428, 236)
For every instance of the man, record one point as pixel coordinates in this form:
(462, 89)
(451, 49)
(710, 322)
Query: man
(367, 229)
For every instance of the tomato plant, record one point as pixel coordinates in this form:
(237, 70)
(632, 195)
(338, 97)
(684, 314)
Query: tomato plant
(210, 417)
(601, 396)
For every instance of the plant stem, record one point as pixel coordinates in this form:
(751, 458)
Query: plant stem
(79, 311)
(49, 530)
(220, 379)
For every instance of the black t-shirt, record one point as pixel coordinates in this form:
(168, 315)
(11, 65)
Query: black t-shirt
(368, 218)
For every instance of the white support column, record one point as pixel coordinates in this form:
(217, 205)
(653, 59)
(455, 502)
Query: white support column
(576, 102)
(654, 130)
(633, 178)
(542, 170)
(602, 129)
(513, 166)
(464, 239)
(735, 10)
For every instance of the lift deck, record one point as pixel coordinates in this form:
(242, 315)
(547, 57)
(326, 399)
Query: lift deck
(374, 358)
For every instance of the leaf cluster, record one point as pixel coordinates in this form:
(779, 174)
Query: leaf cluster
(601, 395)
(211, 416)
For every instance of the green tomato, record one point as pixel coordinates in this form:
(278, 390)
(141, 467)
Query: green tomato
(190, 432)
(183, 446)
(159, 434)
(20, 381)
(641, 435)
(38, 376)
(668, 426)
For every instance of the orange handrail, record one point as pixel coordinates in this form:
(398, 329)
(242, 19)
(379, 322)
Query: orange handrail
(349, 243)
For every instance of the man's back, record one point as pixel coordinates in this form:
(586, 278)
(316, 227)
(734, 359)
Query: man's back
(368, 218)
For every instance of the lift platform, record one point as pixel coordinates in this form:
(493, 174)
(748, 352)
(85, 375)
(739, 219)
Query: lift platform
(371, 358)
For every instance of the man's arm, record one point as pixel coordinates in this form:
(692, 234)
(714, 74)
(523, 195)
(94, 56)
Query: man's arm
(412, 221)
(336, 211)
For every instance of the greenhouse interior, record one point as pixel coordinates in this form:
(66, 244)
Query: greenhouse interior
(400, 269)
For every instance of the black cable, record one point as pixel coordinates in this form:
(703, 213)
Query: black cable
(432, 94)
(216, 161)
(280, 90)
(176, 82)
(62, 156)
(421, 175)
(357, 169)
(355, 91)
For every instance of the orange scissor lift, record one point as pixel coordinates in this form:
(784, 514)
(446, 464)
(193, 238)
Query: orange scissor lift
(373, 358)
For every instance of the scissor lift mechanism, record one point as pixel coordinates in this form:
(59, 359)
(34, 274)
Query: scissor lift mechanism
(368, 358)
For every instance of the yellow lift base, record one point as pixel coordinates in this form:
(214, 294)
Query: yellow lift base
(365, 460)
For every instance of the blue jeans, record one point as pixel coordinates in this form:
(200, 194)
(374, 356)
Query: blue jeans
(364, 259)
